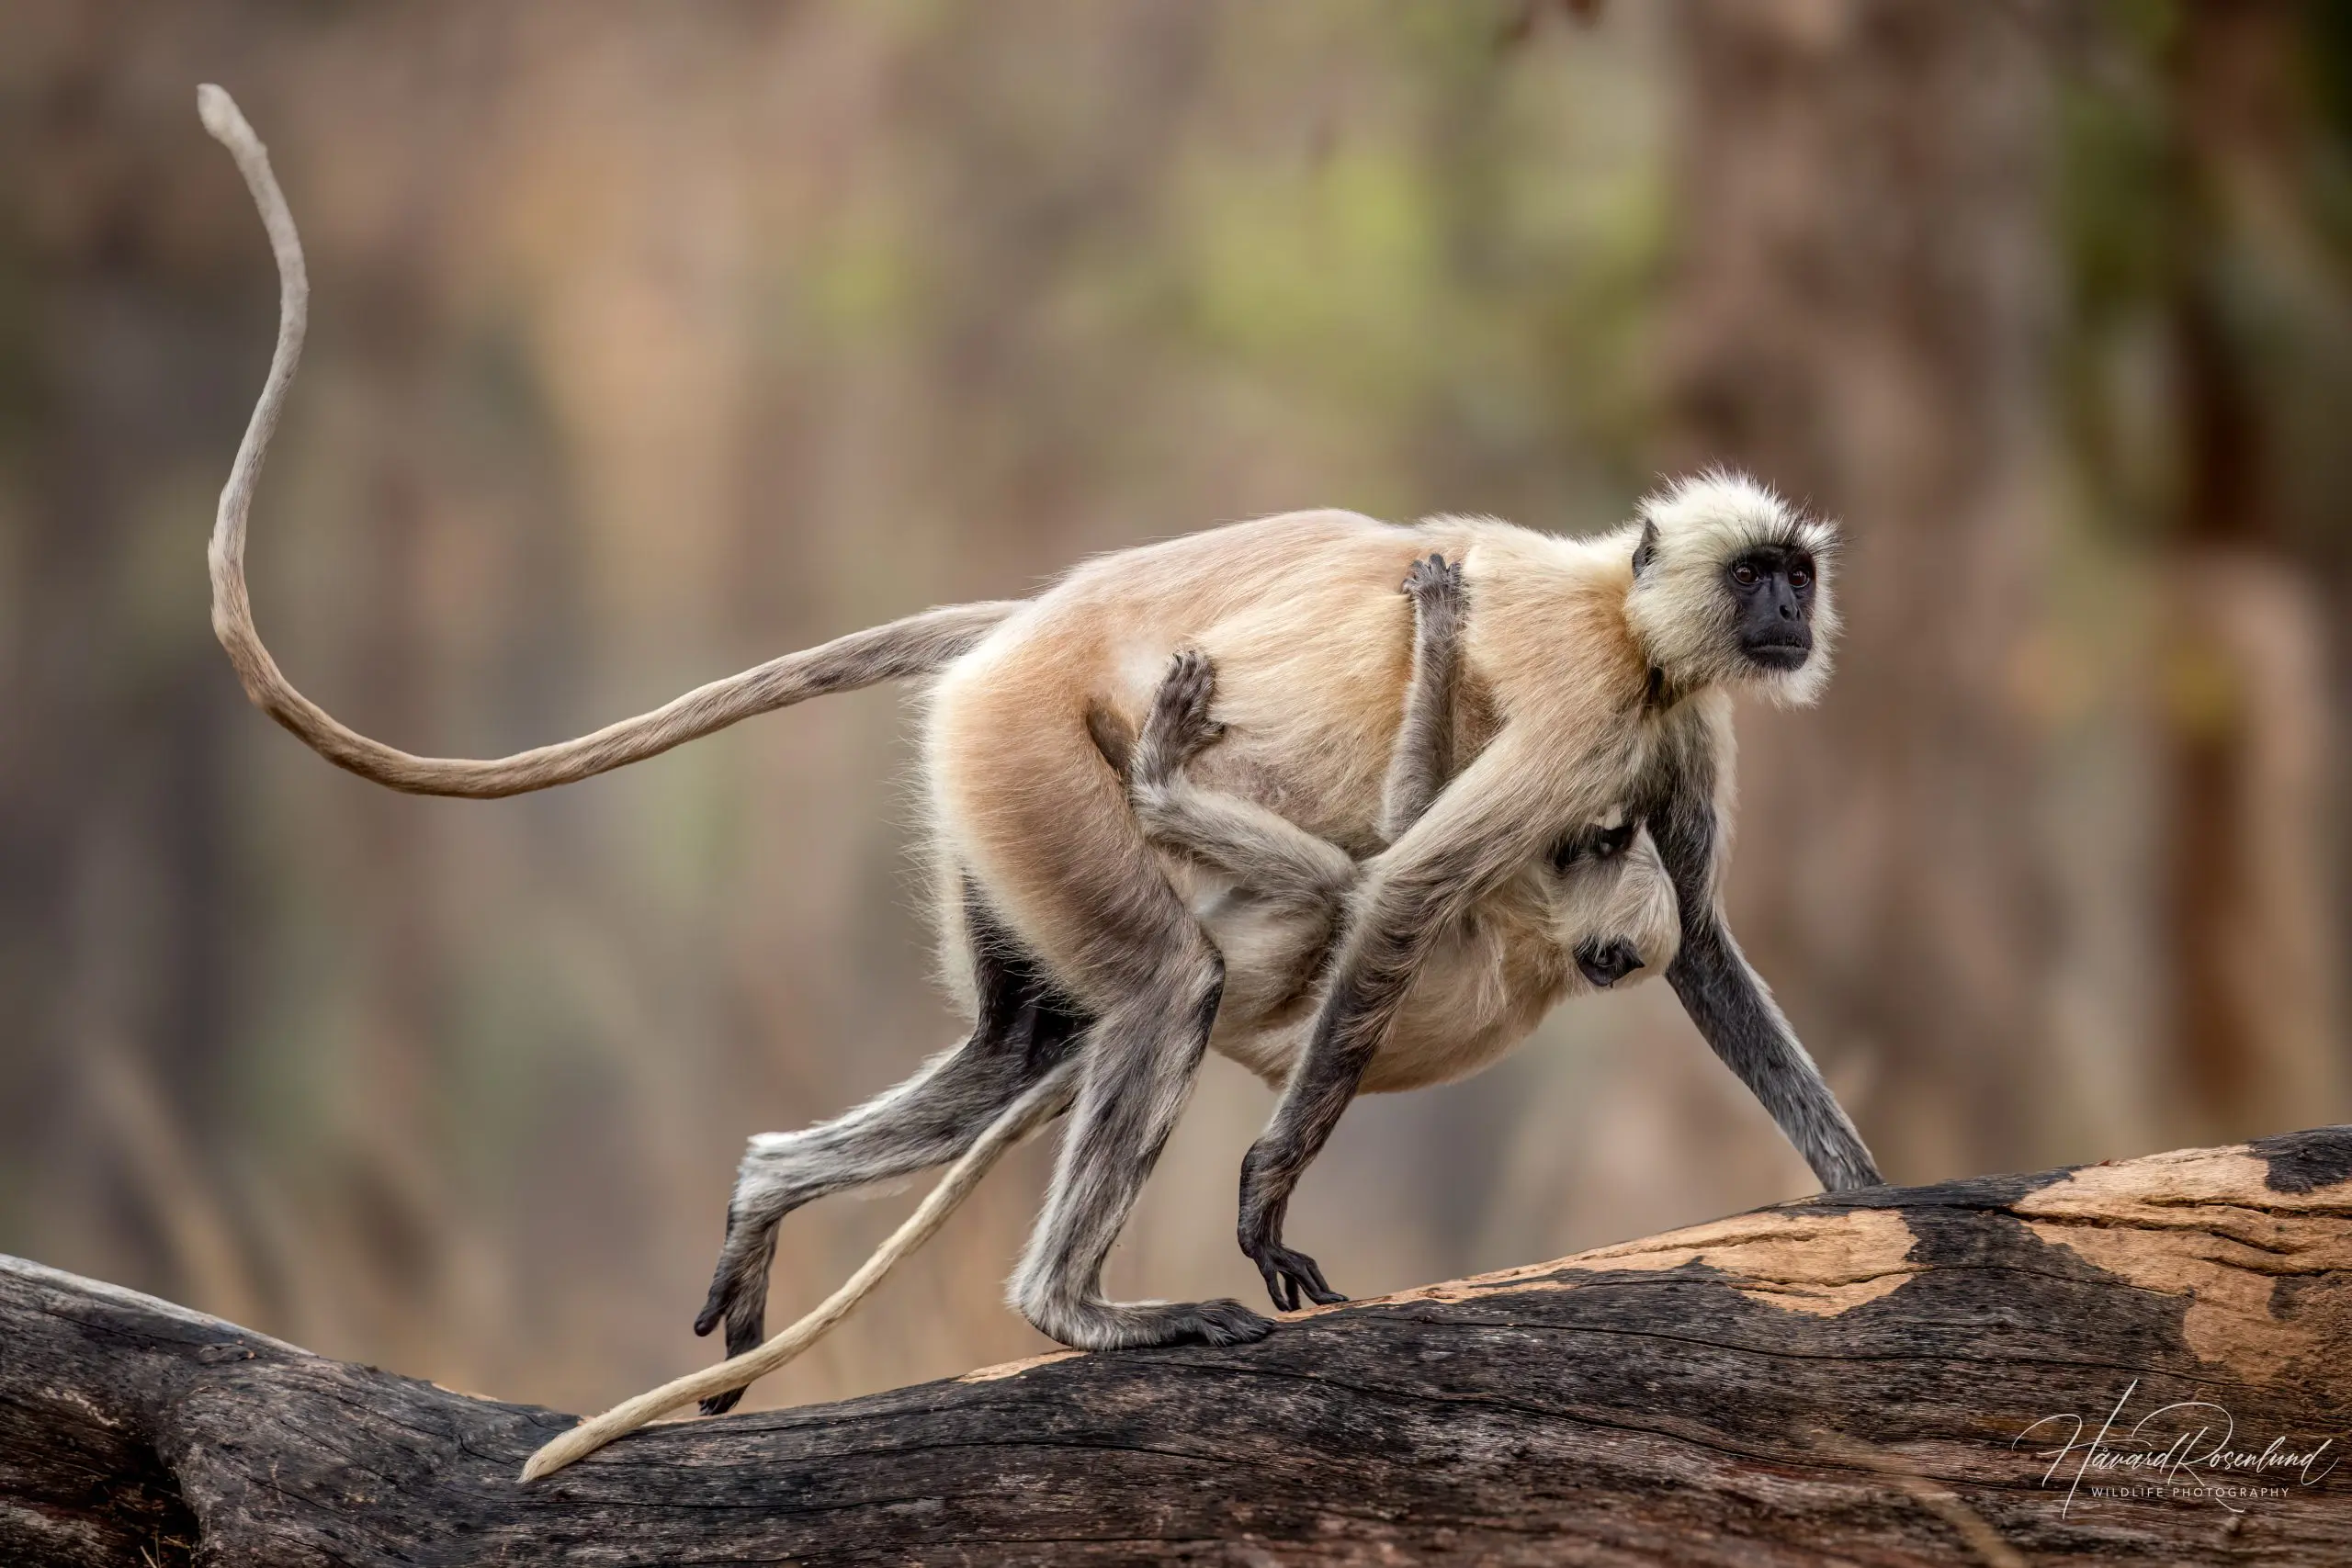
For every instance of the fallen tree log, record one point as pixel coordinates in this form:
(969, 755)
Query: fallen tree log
(2142, 1362)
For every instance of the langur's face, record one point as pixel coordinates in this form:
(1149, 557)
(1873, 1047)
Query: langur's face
(1732, 586)
(1612, 904)
(1771, 589)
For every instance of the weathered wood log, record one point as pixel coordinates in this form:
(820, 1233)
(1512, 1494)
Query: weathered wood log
(1882, 1376)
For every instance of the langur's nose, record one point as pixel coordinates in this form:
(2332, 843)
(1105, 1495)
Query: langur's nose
(1605, 965)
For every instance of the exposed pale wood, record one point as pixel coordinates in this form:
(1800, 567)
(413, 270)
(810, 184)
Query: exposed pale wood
(1835, 1380)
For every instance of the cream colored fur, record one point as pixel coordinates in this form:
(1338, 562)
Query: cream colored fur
(1272, 899)
(1489, 980)
(1312, 645)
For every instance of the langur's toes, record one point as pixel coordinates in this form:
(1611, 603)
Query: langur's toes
(1180, 711)
(1191, 681)
(1188, 668)
(1433, 579)
(1227, 1322)
(720, 1403)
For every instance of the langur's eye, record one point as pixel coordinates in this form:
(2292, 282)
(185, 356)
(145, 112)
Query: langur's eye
(1799, 576)
(1744, 574)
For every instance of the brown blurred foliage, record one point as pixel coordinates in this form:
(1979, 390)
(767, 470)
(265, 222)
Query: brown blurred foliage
(648, 342)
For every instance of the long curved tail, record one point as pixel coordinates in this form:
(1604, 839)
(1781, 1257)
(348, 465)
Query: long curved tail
(1048, 1100)
(915, 645)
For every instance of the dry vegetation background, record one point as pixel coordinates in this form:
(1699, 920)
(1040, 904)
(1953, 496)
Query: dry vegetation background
(649, 342)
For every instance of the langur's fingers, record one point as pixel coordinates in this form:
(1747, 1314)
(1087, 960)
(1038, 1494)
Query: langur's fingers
(713, 1307)
(1318, 1289)
(1273, 1278)
(1300, 1277)
(739, 1283)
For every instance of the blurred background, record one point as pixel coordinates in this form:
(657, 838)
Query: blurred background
(650, 342)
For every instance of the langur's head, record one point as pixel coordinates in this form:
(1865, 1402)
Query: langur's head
(1731, 584)
(1611, 905)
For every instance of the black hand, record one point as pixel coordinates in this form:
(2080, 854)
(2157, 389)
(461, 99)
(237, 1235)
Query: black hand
(1289, 1274)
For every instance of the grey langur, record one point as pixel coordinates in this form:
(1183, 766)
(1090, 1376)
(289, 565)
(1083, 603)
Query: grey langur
(1595, 676)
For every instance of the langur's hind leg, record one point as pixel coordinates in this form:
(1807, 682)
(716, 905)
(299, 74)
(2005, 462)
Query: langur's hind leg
(1266, 854)
(1048, 829)
(1024, 1028)
(1141, 1063)
(1179, 724)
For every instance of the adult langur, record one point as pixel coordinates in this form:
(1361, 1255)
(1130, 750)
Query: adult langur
(1595, 677)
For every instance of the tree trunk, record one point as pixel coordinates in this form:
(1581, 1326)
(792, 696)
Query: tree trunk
(2246, 733)
(1901, 1375)
(1859, 315)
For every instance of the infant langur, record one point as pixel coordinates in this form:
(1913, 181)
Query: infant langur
(1272, 897)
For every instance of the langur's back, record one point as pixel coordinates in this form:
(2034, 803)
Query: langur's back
(1312, 638)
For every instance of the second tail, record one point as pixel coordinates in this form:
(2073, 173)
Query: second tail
(1048, 1099)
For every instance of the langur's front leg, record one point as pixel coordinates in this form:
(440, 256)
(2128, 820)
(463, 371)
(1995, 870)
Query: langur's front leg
(1729, 1003)
(1472, 840)
(1422, 759)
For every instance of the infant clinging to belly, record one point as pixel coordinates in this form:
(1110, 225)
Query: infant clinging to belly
(1274, 897)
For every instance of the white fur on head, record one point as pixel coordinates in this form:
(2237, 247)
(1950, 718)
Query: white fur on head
(1679, 607)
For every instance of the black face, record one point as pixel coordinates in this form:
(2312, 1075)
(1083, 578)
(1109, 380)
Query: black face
(1604, 966)
(1771, 593)
(1591, 842)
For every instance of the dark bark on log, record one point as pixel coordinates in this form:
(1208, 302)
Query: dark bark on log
(1837, 1380)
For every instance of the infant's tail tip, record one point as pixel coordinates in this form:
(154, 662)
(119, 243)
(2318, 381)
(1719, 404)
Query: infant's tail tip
(546, 1461)
(217, 109)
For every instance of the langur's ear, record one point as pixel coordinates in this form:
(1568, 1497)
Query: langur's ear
(1647, 551)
